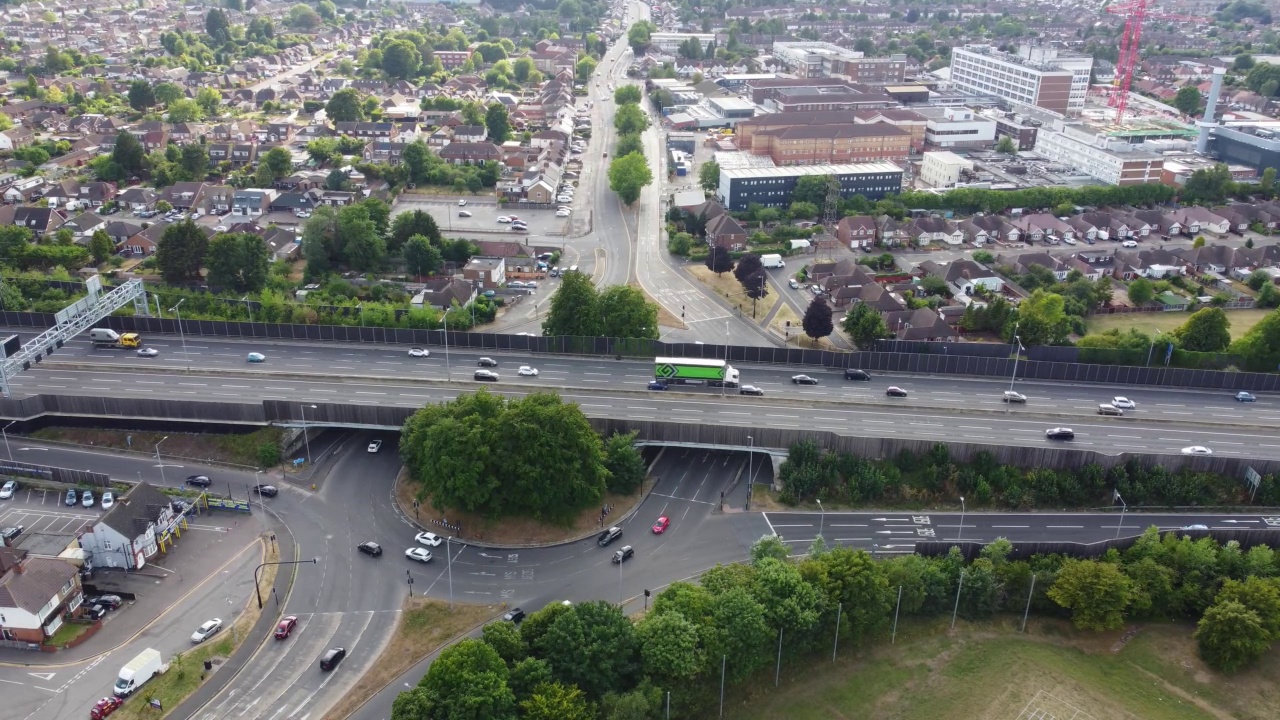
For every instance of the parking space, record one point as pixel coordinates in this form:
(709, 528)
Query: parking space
(46, 518)
(484, 217)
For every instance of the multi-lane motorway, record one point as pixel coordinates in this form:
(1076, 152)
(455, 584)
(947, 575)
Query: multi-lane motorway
(943, 408)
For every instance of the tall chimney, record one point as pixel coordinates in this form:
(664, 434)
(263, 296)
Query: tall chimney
(1211, 106)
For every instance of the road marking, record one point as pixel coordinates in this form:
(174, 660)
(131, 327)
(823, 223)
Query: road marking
(1064, 527)
(43, 676)
(1010, 526)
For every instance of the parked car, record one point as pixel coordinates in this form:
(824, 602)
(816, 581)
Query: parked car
(111, 602)
(1196, 450)
(10, 533)
(286, 626)
(8, 490)
(420, 554)
(105, 707)
(1011, 396)
(199, 481)
(375, 446)
(661, 525)
(609, 536)
(1129, 243)
(562, 213)
(795, 284)
(895, 391)
(95, 612)
(207, 630)
(1060, 433)
(108, 500)
(254, 357)
(623, 555)
(486, 376)
(514, 615)
(148, 352)
(372, 549)
(429, 538)
(418, 352)
(750, 390)
(1241, 396)
(516, 284)
(71, 497)
(526, 370)
(487, 362)
(804, 380)
(87, 499)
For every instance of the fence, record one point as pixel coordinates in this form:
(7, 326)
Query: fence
(1027, 550)
(65, 476)
(1043, 363)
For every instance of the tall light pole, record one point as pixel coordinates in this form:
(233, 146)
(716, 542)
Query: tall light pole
(960, 534)
(182, 334)
(822, 517)
(448, 549)
(1152, 347)
(726, 357)
(5, 432)
(248, 306)
(1123, 507)
(306, 437)
(158, 461)
(1016, 354)
(448, 370)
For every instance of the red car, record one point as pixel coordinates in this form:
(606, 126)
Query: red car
(105, 707)
(661, 526)
(286, 626)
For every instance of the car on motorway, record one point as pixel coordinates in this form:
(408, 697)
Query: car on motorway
(372, 549)
(1060, 433)
(108, 500)
(418, 352)
(71, 497)
(8, 490)
(464, 214)
(657, 385)
(1124, 403)
(110, 602)
(1196, 450)
(285, 628)
(266, 491)
(462, 202)
(609, 536)
(750, 390)
(487, 362)
(804, 380)
(661, 525)
(1109, 409)
(514, 615)
(1195, 527)
(1013, 396)
(420, 554)
(10, 533)
(255, 357)
(87, 499)
(428, 538)
(485, 376)
(855, 374)
(148, 352)
(331, 658)
(623, 555)
(895, 391)
(504, 219)
(104, 707)
(198, 481)
(375, 446)
(1243, 396)
(527, 370)
(207, 630)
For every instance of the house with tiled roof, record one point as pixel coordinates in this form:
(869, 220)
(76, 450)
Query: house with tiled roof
(128, 535)
(35, 593)
(470, 153)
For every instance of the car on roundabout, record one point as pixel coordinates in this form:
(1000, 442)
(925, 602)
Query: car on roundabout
(514, 615)
(429, 538)
(104, 707)
(422, 555)
(207, 630)
(286, 626)
(661, 525)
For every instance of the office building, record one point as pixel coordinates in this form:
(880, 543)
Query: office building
(1111, 160)
(949, 128)
(1041, 76)
(815, 59)
(942, 168)
(670, 42)
(773, 186)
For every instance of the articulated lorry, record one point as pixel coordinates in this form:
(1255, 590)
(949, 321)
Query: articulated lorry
(688, 371)
(107, 338)
(138, 671)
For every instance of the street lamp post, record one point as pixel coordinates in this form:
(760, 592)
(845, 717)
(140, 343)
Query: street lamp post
(1123, 507)
(159, 462)
(5, 432)
(306, 436)
(1151, 348)
(248, 306)
(258, 569)
(1016, 354)
(726, 357)
(960, 533)
(175, 310)
(448, 370)
(822, 517)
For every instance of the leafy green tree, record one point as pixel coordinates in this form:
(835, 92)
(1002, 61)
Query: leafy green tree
(239, 262)
(670, 649)
(768, 546)
(522, 69)
(709, 176)
(181, 251)
(788, 601)
(594, 647)
(536, 625)
(217, 27)
(363, 246)
(1097, 594)
(278, 161)
(557, 701)
(527, 676)
(1230, 636)
(303, 17)
(128, 153)
(167, 92)
(628, 144)
(400, 59)
(628, 176)
(811, 189)
(1187, 101)
(574, 308)
(1042, 319)
(416, 222)
(1141, 291)
(421, 257)
(504, 638)
(865, 325)
(625, 313)
(850, 579)
(141, 95)
(630, 119)
(1262, 340)
(195, 161)
(346, 105)
(319, 246)
(498, 123)
(639, 34)
(1005, 145)
(468, 680)
(627, 95)
(101, 246)
(1207, 330)
(1268, 181)
(209, 100)
(740, 631)
(585, 67)
(802, 210)
(624, 463)
(817, 321)
(1208, 184)
(1259, 594)
(719, 260)
(416, 159)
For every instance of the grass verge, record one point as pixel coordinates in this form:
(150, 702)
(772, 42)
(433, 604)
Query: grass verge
(1241, 321)
(665, 318)
(727, 286)
(990, 671)
(425, 625)
(795, 334)
(238, 448)
(186, 670)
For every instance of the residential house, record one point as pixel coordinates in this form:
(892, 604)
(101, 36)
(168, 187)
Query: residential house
(213, 199)
(725, 231)
(1109, 225)
(25, 190)
(385, 152)
(1237, 217)
(470, 153)
(368, 130)
(128, 535)
(1152, 263)
(40, 221)
(182, 195)
(16, 137)
(84, 225)
(891, 232)
(120, 231)
(1043, 227)
(964, 277)
(1196, 220)
(138, 199)
(251, 202)
(857, 231)
(923, 324)
(145, 242)
(35, 594)
(924, 231)
(485, 272)
(983, 229)
(1163, 223)
(1023, 262)
(282, 243)
(1219, 259)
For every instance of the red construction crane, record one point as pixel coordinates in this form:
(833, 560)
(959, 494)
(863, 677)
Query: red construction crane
(1136, 13)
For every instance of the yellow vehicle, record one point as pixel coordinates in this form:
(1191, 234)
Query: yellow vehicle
(107, 338)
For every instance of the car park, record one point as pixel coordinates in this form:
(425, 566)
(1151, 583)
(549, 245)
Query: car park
(514, 615)
(266, 491)
(656, 385)
(428, 538)
(895, 391)
(199, 481)
(331, 658)
(207, 630)
(71, 497)
(855, 374)
(418, 352)
(750, 390)
(254, 357)
(526, 370)
(1124, 403)
(420, 554)
(1060, 433)
(487, 362)
(148, 352)
(285, 627)
(623, 555)
(87, 499)
(804, 380)
(372, 549)
(486, 376)
(661, 525)
(104, 707)
(375, 446)
(464, 214)
(10, 533)
(608, 536)
(1243, 396)
(108, 500)
(1012, 396)
(8, 490)
(1196, 450)
(1108, 409)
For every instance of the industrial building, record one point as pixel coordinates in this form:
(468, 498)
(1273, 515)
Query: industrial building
(1041, 76)
(773, 186)
(948, 128)
(942, 168)
(1098, 155)
(814, 59)
(670, 42)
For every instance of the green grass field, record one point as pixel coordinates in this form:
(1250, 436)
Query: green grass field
(1241, 321)
(989, 671)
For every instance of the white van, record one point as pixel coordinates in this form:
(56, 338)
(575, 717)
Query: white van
(573, 268)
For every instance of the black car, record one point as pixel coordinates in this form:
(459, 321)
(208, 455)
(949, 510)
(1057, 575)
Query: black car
(10, 533)
(95, 613)
(623, 555)
(1060, 433)
(487, 362)
(111, 602)
(179, 506)
(657, 385)
(609, 536)
(331, 658)
(514, 615)
(750, 390)
(486, 375)
(804, 380)
(372, 549)
(266, 490)
(199, 481)
(852, 374)
(895, 391)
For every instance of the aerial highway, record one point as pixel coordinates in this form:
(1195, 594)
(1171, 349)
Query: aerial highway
(942, 408)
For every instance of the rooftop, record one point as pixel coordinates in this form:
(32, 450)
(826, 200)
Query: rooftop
(848, 169)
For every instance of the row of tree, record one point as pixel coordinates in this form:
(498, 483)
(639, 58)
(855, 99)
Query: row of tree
(578, 309)
(629, 171)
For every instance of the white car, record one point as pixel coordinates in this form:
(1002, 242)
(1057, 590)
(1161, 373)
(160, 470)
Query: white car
(563, 213)
(427, 538)
(148, 352)
(221, 228)
(375, 446)
(1129, 244)
(304, 214)
(419, 352)
(526, 370)
(563, 199)
(8, 490)
(1124, 403)
(419, 554)
(464, 214)
(108, 500)
(1196, 450)
(207, 630)
(462, 202)
(504, 219)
